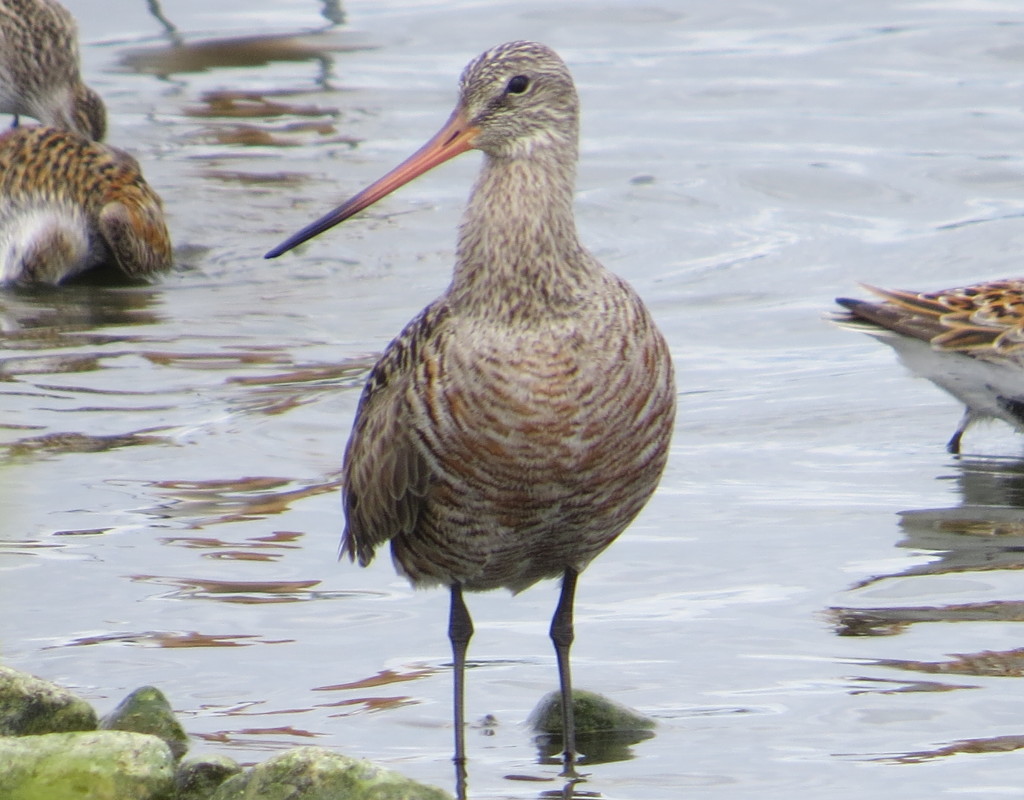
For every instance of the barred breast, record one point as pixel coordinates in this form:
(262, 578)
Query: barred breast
(526, 449)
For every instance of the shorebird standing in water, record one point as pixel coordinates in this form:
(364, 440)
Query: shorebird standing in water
(968, 341)
(522, 420)
(39, 68)
(68, 205)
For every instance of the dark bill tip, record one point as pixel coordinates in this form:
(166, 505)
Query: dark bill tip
(455, 137)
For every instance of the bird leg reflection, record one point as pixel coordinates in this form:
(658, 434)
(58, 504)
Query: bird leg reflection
(562, 636)
(460, 630)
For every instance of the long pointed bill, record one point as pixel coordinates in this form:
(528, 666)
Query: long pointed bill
(455, 137)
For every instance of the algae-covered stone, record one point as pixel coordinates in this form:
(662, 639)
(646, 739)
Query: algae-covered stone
(594, 713)
(198, 776)
(94, 765)
(30, 705)
(315, 773)
(605, 730)
(146, 710)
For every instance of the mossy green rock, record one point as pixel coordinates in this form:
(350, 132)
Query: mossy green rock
(30, 705)
(94, 765)
(198, 776)
(146, 710)
(593, 713)
(315, 773)
(605, 730)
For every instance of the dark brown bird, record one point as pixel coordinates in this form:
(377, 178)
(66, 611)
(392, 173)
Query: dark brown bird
(522, 420)
(39, 68)
(968, 341)
(69, 205)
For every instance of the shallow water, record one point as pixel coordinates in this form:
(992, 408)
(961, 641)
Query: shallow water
(788, 606)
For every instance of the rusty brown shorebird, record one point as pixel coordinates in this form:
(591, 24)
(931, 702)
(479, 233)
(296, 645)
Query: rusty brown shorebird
(39, 68)
(516, 426)
(70, 205)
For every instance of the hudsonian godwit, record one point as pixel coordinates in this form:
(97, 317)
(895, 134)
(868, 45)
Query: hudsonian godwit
(516, 426)
(968, 341)
(39, 68)
(69, 204)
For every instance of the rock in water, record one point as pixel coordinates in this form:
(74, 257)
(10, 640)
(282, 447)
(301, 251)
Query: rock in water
(30, 705)
(595, 713)
(146, 710)
(315, 773)
(92, 765)
(197, 777)
(605, 730)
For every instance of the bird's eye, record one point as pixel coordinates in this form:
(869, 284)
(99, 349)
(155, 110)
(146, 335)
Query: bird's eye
(518, 84)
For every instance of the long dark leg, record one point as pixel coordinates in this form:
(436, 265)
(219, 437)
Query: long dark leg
(562, 636)
(460, 630)
(953, 445)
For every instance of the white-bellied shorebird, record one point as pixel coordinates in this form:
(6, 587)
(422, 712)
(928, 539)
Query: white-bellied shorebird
(39, 68)
(69, 204)
(522, 420)
(968, 341)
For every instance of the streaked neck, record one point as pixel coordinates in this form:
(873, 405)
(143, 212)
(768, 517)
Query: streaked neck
(518, 250)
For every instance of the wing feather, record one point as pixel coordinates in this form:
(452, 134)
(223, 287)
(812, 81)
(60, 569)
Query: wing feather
(385, 475)
(984, 319)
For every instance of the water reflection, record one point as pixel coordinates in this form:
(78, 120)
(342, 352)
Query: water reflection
(49, 335)
(232, 500)
(239, 51)
(964, 550)
(75, 442)
(172, 639)
(265, 737)
(595, 747)
(569, 790)
(363, 703)
(386, 677)
(994, 744)
(1009, 663)
(156, 9)
(258, 105)
(270, 738)
(983, 534)
(182, 56)
(992, 482)
(36, 318)
(331, 10)
(245, 592)
(254, 548)
(289, 134)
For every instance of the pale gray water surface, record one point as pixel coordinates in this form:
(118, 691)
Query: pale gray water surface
(788, 605)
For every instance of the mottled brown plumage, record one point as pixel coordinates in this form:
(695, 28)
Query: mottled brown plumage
(69, 204)
(39, 68)
(967, 340)
(522, 420)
